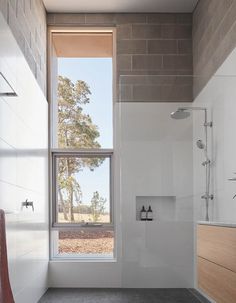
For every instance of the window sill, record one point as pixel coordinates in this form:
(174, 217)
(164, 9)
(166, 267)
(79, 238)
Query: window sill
(80, 260)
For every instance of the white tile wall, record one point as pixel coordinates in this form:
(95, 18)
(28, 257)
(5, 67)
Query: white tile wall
(219, 97)
(156, 160)
(24, 173)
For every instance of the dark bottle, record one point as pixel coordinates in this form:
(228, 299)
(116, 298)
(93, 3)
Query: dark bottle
(143, 214)
(149, 214)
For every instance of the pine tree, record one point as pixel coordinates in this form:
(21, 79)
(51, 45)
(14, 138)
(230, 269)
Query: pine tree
(76, 131)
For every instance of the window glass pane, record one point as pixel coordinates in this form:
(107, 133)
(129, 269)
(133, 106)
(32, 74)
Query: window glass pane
(86, 243)
(82, 92)
(83, 189)
(84, 102)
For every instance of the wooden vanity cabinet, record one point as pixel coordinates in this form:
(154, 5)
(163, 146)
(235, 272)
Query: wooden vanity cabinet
(216, 262)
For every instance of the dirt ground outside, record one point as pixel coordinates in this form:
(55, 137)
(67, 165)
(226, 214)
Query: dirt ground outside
(84, 218)
(86, 242)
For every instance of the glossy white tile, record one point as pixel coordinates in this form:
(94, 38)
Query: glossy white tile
(24, 173)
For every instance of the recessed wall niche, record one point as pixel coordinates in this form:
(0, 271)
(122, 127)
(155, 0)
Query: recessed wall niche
(163, 207)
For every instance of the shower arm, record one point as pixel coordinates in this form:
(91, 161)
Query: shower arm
(206, 123)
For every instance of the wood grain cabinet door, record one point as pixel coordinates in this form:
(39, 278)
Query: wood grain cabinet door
(216, 281)
(217, 244)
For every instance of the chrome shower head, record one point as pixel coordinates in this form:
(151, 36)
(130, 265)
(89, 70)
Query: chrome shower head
(180, 113)
(200, 144)
(184, 112)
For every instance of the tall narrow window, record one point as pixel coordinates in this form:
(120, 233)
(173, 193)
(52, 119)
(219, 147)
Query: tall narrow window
(82, 143)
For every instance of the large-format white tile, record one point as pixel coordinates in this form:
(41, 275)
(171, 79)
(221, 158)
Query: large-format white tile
(8, 168)
(24, 173)
(156, 160)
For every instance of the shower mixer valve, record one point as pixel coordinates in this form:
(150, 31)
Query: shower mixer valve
(206, 197)
(206, 162)
(210, 124)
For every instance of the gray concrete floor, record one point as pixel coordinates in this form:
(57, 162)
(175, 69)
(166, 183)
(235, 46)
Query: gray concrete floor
(114, 295)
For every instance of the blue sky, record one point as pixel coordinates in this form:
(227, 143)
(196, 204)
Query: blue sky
(97, 73)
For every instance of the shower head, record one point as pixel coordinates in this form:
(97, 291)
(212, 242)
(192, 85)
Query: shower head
(184, 112)
(180, 113)
(200, 144)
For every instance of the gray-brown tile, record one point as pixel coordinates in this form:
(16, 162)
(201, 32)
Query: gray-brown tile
(131, 47)
(177, 62)
(146, 31)
(162, 46)
(147, 62)
(124, 31)
(130, 18)
(185, 46)
(176, 31)
(124, 62)
(65, 19)
(108, 19)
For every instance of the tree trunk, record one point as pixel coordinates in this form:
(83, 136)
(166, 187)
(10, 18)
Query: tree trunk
(63, 206)
(71, 191)
(71, 213)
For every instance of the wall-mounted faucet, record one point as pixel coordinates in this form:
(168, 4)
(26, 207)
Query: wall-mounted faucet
(27, 204)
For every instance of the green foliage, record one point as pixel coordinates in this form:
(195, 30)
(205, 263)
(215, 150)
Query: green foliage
(97, 206)
(76, 131)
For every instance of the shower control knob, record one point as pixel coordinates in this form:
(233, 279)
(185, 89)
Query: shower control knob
(206, 196)
(206, 162)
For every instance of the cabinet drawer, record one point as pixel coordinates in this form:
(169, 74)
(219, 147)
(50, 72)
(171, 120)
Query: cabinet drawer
(216, 281)
(217, 244)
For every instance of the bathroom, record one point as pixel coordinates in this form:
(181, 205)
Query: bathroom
(171, 124)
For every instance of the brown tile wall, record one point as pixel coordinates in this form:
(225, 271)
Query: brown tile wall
(27, 20)
(214, 37)
(147, 44)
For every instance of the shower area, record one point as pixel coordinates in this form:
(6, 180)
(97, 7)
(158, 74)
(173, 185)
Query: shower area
(178, 158)
(156, 161)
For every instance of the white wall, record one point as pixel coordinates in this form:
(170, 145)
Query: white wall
(24, 173)
(156, 160)
(219, 97)
(155, 154)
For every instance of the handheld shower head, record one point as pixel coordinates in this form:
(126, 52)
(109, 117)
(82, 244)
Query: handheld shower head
(200, 144)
